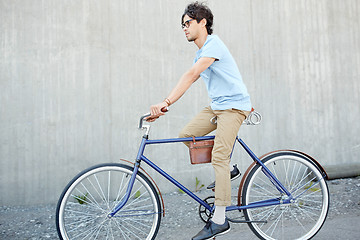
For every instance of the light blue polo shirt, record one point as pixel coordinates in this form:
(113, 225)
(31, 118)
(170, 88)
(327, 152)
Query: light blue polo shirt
(223, 79)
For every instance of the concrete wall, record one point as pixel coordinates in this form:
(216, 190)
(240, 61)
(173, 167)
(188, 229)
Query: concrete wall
(75, 76)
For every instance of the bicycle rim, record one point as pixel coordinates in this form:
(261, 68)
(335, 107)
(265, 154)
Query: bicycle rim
(83, 208)
(301, 219)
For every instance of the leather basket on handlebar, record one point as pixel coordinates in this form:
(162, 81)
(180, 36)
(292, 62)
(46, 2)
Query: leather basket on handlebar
(200, 151)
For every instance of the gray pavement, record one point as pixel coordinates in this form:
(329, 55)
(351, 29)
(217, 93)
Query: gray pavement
(341, 227)
(181, 220)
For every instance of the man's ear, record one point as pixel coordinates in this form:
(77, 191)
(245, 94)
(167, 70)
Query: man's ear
(203, 22)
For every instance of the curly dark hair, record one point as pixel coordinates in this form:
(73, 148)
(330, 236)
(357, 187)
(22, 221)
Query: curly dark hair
(199, 11)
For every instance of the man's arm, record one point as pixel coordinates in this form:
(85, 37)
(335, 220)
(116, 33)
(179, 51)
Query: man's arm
(186, 80)
(189, 77)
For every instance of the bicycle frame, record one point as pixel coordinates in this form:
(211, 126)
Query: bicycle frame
(279, 189)
(140, 157)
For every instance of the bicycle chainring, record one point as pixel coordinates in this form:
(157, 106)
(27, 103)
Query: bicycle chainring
(204, 213)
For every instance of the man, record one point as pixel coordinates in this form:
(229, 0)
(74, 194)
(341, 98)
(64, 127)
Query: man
(230, 105)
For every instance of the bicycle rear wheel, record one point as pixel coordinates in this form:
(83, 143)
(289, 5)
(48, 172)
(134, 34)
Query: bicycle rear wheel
(301, 219)
(83, 207)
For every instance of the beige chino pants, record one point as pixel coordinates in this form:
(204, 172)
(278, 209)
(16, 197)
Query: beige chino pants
(228, 125)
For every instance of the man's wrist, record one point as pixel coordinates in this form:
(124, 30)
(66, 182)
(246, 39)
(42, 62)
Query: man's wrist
(167, 101)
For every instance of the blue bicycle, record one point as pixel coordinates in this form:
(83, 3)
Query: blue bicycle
(282, 195)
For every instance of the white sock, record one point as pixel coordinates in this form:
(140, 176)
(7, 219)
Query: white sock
(219, 215)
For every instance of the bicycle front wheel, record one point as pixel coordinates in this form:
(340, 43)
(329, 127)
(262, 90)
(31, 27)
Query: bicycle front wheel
(301, 219)
(83, 208)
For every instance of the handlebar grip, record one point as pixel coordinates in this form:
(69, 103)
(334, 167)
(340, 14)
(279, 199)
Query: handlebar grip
(164, 109)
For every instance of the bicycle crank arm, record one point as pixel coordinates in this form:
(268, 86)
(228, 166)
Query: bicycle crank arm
(244, 221)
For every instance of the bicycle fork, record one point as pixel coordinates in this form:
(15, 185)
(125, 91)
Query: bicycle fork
(132, 179)
(128, 191)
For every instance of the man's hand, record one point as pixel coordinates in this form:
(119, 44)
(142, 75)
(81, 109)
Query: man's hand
(155, 111)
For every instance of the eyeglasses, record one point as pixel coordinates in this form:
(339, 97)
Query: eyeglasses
(186, 24)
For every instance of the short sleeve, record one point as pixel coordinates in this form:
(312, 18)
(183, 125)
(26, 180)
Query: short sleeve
(212, 48)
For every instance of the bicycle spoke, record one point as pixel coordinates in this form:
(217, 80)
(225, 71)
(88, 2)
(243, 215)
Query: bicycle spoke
(102, 192)
(264, 189)
(131, 232)
(303, 178)
(97, 232)
(96, 190)
(120, 229)
(120, 191)
(275, 223)
(268, 215)
(85, 201)
(286, 181)
(135, 226)
(300, 223)
(109, 184)
(306, 188)
(89, 231)
(292, 176)
(83, 220)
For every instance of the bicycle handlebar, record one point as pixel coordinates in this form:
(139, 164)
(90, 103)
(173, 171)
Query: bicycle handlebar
(164, 109)
(142, 119)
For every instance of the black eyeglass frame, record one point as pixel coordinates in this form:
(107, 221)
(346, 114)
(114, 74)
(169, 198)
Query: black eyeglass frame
(186, 24)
